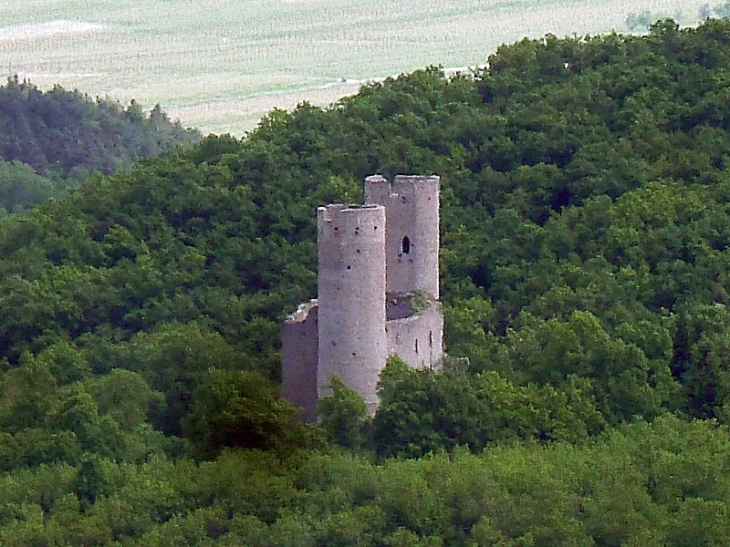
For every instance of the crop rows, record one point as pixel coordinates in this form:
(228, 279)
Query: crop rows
(191, 55)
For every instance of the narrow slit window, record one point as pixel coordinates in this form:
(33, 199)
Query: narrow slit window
(406, 245)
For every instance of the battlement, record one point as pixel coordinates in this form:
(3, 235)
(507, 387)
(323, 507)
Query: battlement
(379, 190)
(348, 220)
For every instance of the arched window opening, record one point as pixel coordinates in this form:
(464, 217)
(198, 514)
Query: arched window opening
(406, 246)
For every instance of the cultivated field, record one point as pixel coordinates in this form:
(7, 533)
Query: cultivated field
(221, 64)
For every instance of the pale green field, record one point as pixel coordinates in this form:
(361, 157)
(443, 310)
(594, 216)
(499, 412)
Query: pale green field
(221, 64)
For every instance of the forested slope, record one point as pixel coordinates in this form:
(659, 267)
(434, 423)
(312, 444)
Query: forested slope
(50, 141)
(585, 276)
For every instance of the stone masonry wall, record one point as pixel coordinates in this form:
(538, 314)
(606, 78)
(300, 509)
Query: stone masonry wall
(299, 357)
(418, 339)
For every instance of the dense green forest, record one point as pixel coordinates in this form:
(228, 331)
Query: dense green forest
(51, 141)
(585, 260)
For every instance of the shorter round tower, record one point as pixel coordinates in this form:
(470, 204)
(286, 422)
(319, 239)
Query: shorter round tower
(351, 298)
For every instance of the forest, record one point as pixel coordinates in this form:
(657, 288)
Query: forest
(585, 279)
(51, 141)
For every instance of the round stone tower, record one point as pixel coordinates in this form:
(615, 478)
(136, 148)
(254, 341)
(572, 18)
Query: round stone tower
(351, 298)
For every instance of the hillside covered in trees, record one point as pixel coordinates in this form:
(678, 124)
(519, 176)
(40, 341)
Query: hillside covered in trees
(51, 141)
(585, 259)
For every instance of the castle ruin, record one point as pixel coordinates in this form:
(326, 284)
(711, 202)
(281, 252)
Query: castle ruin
(378, 293)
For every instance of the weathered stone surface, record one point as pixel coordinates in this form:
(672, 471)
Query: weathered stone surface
(378, 289)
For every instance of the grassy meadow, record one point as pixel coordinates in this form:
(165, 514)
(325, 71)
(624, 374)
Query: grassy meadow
(221, 64)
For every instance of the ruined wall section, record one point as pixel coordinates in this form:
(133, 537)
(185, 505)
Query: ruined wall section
(299, 358)
(351, 298)
(418, 339)
(412, 236)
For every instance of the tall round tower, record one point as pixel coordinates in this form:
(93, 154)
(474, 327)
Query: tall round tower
(352, 337)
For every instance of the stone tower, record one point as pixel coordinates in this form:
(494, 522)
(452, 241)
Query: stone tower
(351, 297)
(378, 290)
(412, 236)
